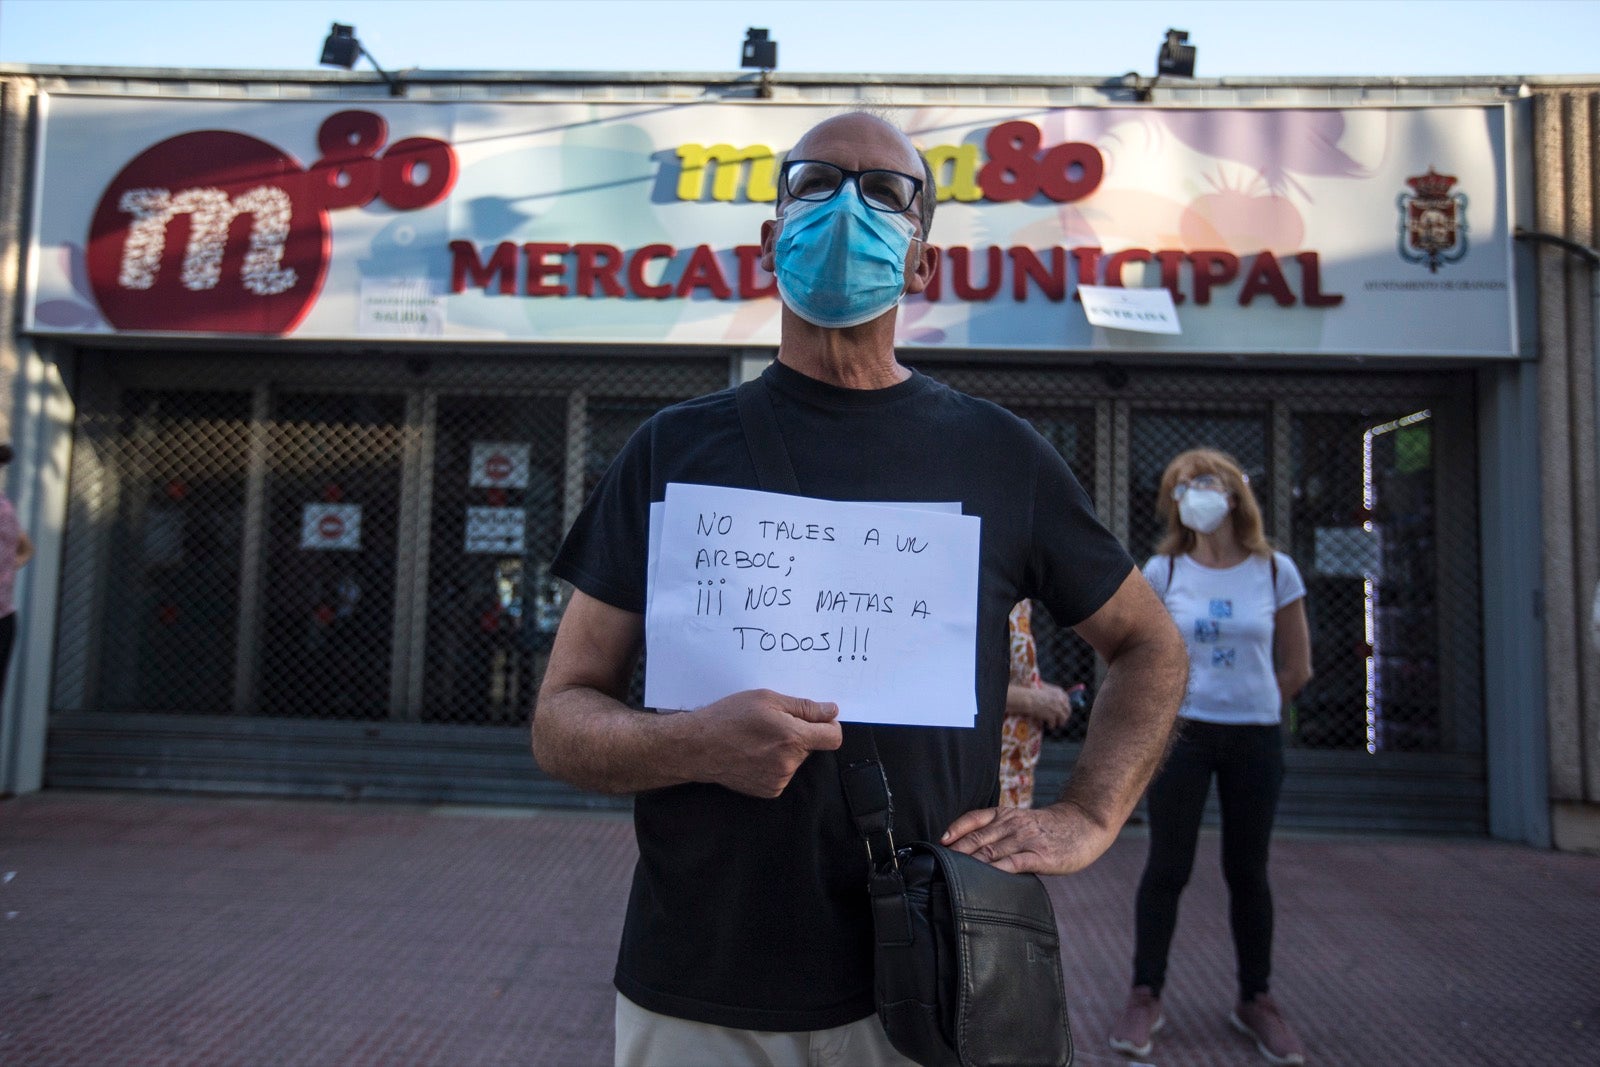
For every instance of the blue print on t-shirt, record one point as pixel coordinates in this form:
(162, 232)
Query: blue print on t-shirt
(1222, 657)
(1206, 631)
(1222, 609)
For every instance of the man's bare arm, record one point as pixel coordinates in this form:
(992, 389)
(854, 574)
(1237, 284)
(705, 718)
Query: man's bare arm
(1147, 671)
(583, 733)
(1129, 729)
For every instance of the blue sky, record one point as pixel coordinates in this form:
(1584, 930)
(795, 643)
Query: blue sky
(1066, 37)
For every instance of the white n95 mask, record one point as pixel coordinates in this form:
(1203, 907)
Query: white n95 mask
(1202, 510)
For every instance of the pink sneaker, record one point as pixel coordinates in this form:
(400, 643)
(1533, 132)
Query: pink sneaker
(1140, 1019)
(1261, 1019)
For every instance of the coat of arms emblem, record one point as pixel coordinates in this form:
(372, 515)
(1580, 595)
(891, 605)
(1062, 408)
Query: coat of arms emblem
(1433, 220)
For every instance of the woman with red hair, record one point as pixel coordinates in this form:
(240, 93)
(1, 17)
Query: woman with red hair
(1241, 609)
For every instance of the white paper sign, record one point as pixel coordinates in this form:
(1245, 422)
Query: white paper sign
(872, 607)
(1141, 310)
(496, 530)
(658, 509)
(331, 526)
(499, 465)
(400, 307)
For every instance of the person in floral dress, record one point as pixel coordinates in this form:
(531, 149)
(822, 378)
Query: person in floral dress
(1033, 706)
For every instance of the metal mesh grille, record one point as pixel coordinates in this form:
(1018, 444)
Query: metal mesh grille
(482, 637)
(1350, 472)
(353, 539)
(1366, 511)
(155, 562)
(333, 545)
(328, 585)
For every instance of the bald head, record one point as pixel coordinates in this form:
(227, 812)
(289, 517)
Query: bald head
(861, 141)
(857, 128)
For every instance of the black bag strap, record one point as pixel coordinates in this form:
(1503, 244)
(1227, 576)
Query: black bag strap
(866, 788)
(774, 471)
(866, 792)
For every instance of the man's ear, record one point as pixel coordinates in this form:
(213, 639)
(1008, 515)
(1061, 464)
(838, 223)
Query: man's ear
(769, 244)
(923, 270)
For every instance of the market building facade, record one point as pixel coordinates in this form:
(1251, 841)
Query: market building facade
(306, 381)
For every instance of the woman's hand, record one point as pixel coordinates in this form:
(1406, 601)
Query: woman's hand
(1045, 702)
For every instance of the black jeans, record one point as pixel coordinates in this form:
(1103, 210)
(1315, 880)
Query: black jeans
(8, 634)
(1248, 763)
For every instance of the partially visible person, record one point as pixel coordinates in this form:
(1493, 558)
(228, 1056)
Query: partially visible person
(1033, 706)
(15, 550)
(1241, 609)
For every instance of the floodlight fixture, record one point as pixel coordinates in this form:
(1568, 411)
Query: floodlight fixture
(759, 50)
(341, 48)
(1176, 57)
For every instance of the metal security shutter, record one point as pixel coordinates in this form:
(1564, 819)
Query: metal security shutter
(326, 576)
(203, 645)
(1368, 480)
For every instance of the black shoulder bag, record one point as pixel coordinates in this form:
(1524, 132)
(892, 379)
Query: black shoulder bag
(966, 957)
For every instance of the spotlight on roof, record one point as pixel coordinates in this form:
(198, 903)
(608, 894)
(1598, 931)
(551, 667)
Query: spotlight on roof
(1176, 58)
(341, 48)
(760, 51)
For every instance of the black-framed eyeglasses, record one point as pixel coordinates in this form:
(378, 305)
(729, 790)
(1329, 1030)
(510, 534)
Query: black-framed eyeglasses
(816, 181)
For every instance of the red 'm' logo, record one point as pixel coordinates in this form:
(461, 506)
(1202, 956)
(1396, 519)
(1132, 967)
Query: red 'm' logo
(219, 232)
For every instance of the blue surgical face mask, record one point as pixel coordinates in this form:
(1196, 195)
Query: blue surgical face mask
(839, 262)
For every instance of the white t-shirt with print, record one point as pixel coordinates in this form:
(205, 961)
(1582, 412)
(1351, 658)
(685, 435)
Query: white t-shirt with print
(1226, 616)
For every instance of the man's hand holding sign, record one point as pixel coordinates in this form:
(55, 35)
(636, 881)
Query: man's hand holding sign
(750, 741)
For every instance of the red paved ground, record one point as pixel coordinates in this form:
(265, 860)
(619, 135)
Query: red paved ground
(155, 930)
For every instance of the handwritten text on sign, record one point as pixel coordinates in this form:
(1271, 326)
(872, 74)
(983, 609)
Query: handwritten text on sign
(872, 607)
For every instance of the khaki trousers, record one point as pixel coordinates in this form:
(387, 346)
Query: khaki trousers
(645, 1039)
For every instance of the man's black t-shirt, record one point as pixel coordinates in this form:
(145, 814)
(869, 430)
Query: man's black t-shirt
(753, 913)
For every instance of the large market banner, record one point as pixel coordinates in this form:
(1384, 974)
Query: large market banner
(1365, 231)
